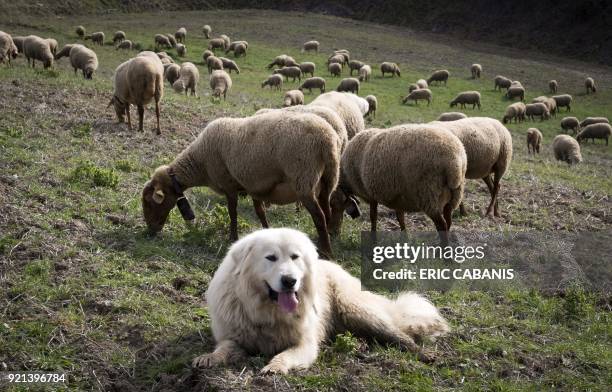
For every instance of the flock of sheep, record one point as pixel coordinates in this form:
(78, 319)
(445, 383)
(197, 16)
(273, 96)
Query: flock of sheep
(322, 155)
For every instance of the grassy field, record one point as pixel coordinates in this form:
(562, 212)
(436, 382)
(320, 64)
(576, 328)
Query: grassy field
(84, 290)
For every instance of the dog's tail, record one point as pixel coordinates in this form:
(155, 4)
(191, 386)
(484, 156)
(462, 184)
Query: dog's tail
(415, 315)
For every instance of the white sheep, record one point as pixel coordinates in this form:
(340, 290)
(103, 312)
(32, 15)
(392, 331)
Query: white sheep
(207, 31)
(419, 94)
(451, 116)
(439, 76)
(335, 69)
(349, 84)
(534, 140)
(180, 35)
(188, 79)
(308, 68)
(293, 97)
(553, 86)
(364, 73)
(589, 84)
(274, 80)
(593, 120)
(220, 83)
(476, 70)
(516, 111)
(36, 48)
(313, 82)
(566, 149)
(391, 68)
(310, 46)
(181, 50)
(467, 98)
(572, 123)
(372, 105)
(564, 100)
(537, 109)
(595, 131)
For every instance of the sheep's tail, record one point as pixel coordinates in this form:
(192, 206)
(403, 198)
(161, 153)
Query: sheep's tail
(415, 315)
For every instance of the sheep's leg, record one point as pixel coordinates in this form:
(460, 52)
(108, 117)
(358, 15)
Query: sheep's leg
(140, 117)
(441, 227)
(127, 112)
(324, 195)
(232, 209)
(318, 218)
(493, 185)
(373, 215)
(462, 211)
(261, 212)
(157, 116)
(448, 216)
(401, 219)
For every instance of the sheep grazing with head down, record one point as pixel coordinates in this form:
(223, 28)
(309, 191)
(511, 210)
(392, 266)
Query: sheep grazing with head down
(138, 81)
(229, 65)
(165, 58)
(537, 109)
(337, 59)
(314, 82)
(52, 45)
(96, 38)
(207, 31)
(502, 82)
(119, 36)
(372, 105)
(593, 120)
(310, 46)
(227, 40)
(213, 62)
(220, 83)
(293, 97)
(274, 80)
(350, 85)
(216, 43)
(240, 50)
(180, 35)
(18, 41)
(80, 32)
(188, 79)
(391, 68)
(181, 50)
(553, 86)
(570, 123)
(234, 156)
(125, 44)
(343, 54)
(516, 111)
(439, 76)
(282, 61)
(516, 91)
(476, 70)
(550, 103)
(364, 73)
(451, 116)
(290, 72)
(564, 100)
(595, 131)
(589, 84)
(422, 83)
(534, 139)
(36, 48)
(423, 94)
(161, 41)
(335, 69)
(171, 39)
(347, 107)
(8, 49)
(412, 87)
(232, 46)
(376, 168)
(467, 98)
(355, 65)
(488, 145)
(566, 149)
(308, 68)
(81, 58)
(172, 72)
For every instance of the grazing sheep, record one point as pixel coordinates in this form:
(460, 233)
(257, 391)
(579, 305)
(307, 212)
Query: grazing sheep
(422, 83)
(391, 68)
(308, 68)
(283, 61)
(96, 38)
(240, 50)
(537, 109)
(213, 62)
(570, 123)
(180, 35)
(534, 139)
(419, 94)
(232, 46)
(451, 116)
(566, 149)
(52, 45)
(290, 72)
(364, 73)
(439, 76)
(227, 40)
(595, 131)
(310, 46)
(467, 98)
(181, 50)
(229, 65)
(378, 167)
(550, 103)
(220, 83)
(274, 80)
(335, 69)
(65, 52)
(125, 44)
(346, 106)
(18, 41)
(412, 87)
(171, 39)
(165, 58)
(563, 100)
(216, 43)
(234, 156)
(488, 145)
(589, 83)
(372, 105)
(350, 85)
(36, 48)
(337, 59)
(314, 82)
(293, 97)
(172, 72)
(593, 120)
(516, 91)
(476, 70)
(8, 49)
(138, 81)
(118, 36)
(516, 111)
(207, 53)
(516, 83)
(188, 79)
(502, 82)
(553, 86)
(80, 32)
(207, 31)
(84, 59)
(342, 56)
(161, 41)
(355, 65)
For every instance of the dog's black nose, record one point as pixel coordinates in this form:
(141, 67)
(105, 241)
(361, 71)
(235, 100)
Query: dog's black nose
(288, 282)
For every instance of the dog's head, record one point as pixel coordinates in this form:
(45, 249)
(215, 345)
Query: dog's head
(275, 266)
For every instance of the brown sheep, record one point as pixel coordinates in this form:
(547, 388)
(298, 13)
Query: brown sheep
(534, 139)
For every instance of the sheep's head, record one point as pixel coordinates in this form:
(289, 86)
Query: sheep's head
(178, 86)
(453, 104)
(341, 201)
(119, 106)
(88, 73)
(158, 199)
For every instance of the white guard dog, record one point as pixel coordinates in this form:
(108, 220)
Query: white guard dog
(272, 295)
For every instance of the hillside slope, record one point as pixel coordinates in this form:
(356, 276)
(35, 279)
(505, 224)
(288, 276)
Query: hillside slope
(577, 29)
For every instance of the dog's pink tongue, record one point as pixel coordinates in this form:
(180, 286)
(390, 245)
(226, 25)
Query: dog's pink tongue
(288, 301)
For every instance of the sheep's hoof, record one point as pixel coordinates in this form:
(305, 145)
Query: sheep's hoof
(157, 131)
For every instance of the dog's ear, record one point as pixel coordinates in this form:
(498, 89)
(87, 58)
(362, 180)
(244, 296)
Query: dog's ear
(238, 253)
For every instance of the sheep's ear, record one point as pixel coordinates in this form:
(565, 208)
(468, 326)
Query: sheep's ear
(158, 196)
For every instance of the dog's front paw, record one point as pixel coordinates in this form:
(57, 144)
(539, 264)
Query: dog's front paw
(205, 361)
(275, 367)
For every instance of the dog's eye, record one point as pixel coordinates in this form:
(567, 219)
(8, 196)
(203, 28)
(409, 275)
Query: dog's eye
(271, 258)
(294, 256)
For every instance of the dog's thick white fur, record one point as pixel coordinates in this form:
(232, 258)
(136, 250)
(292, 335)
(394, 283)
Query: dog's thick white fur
(272, 295)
